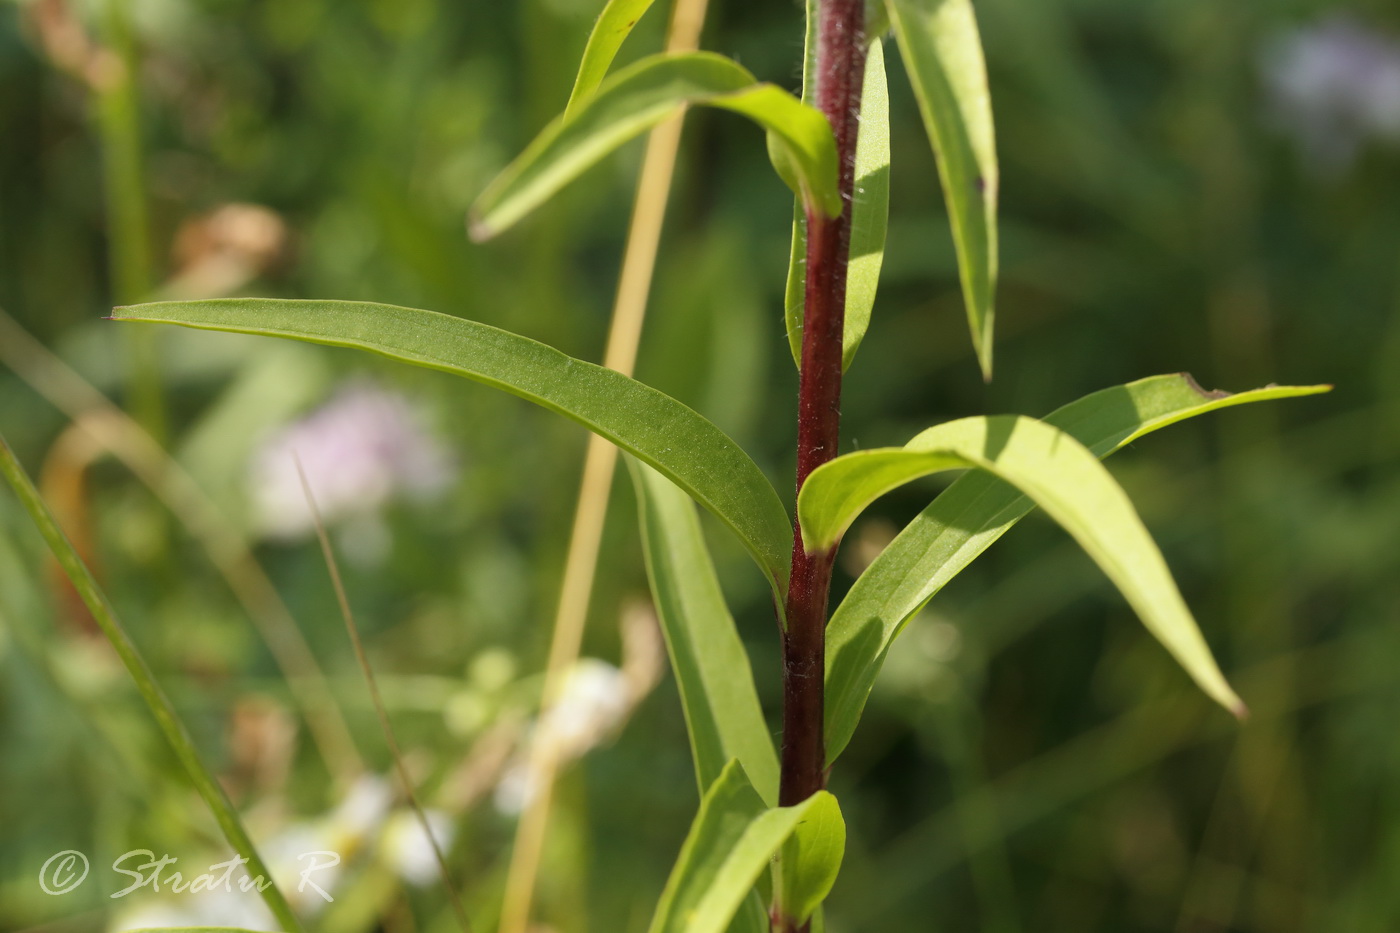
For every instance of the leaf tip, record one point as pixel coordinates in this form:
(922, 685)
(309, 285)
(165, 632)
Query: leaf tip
(1238, 710)
(478, 230)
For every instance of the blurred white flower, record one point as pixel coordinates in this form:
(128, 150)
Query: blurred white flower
(361, 449)
(363, 820)
(216, 908)
(364, 807)
(407, 849)
(595, 700)
(1334, 86)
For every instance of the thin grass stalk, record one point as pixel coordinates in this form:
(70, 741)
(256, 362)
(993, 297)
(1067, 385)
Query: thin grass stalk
(130, 267)
(161, 707)
(595, 487)
(227, 549)
(333, 568)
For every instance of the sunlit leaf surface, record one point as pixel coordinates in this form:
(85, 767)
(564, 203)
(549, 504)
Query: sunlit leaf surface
(638, 98)
(972, 513)
(942, 53)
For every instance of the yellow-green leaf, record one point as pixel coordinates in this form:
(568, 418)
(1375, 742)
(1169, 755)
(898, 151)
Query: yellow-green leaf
(811, 860)
(613, 27)
(722, 712)
(968, 517)
(870, 201)
(638, 98)
(1060, 475)
(731, 841)
(942, 53)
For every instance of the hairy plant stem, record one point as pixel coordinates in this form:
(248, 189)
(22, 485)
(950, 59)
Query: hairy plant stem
(840, 69)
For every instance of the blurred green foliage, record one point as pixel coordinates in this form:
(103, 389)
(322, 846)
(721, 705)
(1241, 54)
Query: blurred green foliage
(1030, 760)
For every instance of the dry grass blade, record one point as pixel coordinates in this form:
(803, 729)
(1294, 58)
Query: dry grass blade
(334, 569)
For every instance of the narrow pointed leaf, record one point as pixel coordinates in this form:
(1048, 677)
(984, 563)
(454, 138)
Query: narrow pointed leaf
(731, 841)
(650, 425)
(942, 53)
(795, 295)
(1060, 475)
(613, 27)
(210, 790)
(969, 516)
(870, 203)
(638, 98)
(722, 712)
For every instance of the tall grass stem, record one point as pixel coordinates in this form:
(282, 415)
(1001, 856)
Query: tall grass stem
(600, 461)
(161, 708)
(333, 568)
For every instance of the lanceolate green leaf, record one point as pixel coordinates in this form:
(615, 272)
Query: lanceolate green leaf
(731, 841)
(968, 517)
(943, 55)
(869, 217)
(722, 711)
(612, 29)
(159, 704)
(1060, 475)
(643, 95)
(652, 426)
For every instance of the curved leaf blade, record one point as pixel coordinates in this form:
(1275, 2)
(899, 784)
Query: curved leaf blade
(731, 841)
(1060, 475)
(942, 53)
(638, 98)
(969, 516)
(811, 860)
(870, 207)
(722, 711)
(650, 425)
(613, 27)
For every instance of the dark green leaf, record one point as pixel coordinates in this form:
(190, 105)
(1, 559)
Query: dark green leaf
(652, 426)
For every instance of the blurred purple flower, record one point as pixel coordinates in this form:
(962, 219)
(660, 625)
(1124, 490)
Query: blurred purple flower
(1334, 86)
(361, 449)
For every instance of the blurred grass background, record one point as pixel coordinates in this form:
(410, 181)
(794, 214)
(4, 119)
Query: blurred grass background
(1176, 195)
